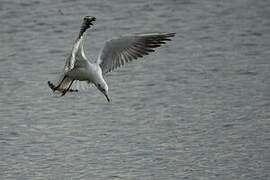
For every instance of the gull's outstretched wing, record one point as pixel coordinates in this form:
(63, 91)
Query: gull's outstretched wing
(77, 56)
(70, 62)
(117, 52)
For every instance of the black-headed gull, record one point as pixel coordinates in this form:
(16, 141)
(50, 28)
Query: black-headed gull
(114, 54)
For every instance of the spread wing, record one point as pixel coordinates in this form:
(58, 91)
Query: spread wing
(119, 51)
(76, 57)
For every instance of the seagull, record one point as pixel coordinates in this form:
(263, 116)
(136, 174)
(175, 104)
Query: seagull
(115, 53)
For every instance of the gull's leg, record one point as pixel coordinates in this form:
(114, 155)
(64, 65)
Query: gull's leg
(55, 88)
(66, 90)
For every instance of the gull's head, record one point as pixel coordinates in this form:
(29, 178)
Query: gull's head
(103, 87)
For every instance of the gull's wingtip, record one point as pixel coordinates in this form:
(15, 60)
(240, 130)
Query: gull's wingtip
(89, 19)
(87, 23)
(172, 34)
(169, 34)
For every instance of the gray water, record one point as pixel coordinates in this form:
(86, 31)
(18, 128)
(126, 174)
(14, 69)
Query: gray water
(198, 108)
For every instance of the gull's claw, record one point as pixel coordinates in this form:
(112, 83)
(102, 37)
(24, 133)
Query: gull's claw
(54, 88)
(64, 92)
(51, 85)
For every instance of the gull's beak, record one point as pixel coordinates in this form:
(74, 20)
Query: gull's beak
(107, 97)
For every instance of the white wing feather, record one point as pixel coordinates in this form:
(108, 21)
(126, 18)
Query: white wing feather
(76, 57)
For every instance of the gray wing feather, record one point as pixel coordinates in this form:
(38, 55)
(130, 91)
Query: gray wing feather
(119, 51)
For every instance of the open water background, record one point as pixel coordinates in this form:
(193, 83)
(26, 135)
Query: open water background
(198, 108)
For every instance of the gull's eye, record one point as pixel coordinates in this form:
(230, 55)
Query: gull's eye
(99, 87)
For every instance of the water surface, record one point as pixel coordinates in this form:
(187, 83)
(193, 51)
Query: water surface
(198, 108)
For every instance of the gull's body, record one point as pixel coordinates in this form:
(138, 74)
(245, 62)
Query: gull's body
(115, 53)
